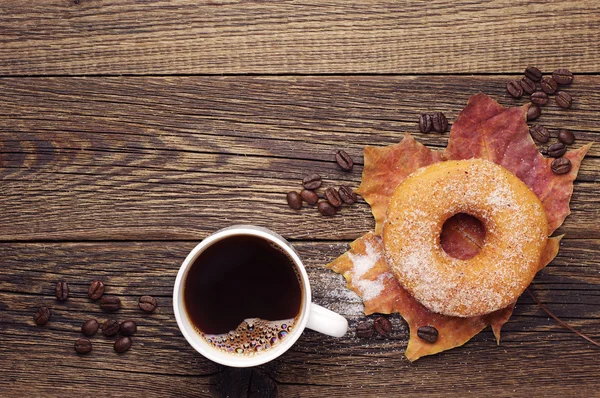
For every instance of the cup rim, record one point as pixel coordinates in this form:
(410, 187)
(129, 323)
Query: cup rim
(197, 342)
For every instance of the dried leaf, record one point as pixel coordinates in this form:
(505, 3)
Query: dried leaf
(386, 167)
(367, 274)
(487, 130)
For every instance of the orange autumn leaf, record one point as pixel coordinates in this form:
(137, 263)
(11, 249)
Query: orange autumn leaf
(386, 167)
(367, 274)
(487, 130)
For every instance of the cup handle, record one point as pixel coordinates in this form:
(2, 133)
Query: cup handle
(327, 322)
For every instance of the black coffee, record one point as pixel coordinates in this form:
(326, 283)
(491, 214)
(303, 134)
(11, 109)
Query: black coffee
(243, 294)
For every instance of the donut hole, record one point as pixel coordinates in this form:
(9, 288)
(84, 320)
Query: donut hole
(463, 236)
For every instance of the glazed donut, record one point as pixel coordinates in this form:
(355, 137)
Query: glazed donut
(516, 233)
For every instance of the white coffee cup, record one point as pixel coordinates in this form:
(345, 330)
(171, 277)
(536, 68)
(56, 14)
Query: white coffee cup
(311, 315)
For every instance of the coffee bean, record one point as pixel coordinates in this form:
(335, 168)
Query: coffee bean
(333, 197)
(148, 303)
(539, 133)
(564, 99)
(566, 136)
(309, 197)
(549, 85)
(347, 195)
(514, 88)
(556, 150)
(110, 327)
(365, 330)
(533, 73)
(539, 98)
(62, 291)
(440, 123)
(382, 325)
(110, 303)
(533, 112)
(344, 160)
(326, 209)
(122, 344)
(294, 200)
(96, 290)
(83, 346)
(128, 328)
(428, 334)
(561, 165)
(42, 315)
(312, 181)
(527, 85)
(425, 123)
(562, 76)
(89, 327)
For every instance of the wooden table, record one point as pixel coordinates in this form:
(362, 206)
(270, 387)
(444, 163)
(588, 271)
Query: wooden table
(131, 130)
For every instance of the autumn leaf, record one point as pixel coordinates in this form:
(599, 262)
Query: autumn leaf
(368, 275)
(386, 167)
(487, 130)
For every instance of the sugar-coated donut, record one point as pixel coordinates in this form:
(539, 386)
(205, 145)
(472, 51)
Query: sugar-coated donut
(516, 233)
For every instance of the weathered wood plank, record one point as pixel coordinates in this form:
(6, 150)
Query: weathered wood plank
(441, 36)
(535, 351)
(178, 157)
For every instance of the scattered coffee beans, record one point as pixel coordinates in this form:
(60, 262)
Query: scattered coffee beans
(549, 85)
(294, 200)
(148, 303)
(539, 133)
(425, 123)
(62, 291)
(556, 150)
(561, 165)
(122, 344)
(514, 88)
(562, 76)
(312, 182)
(96, 290)
(347, 195)
(440, 123)
(533, 73)
(128, 328)
(333, 197)
(89, 327)
(566, 136)
(539, 98)
(309, 197)
(382, 325)
(110, 327)
(533, 112)
(428, 334)
(326, 209)
(83, 346)
(365, 330)
(110, 303)
(564, 99)
(42, 316)
(527, 85)
(344, 160)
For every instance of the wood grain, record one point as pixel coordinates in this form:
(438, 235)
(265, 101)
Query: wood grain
(83, 37)
(540, 357)
(178, 157)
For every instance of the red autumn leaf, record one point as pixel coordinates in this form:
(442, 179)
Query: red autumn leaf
(487, 130)
(367, 274)
(386, 167)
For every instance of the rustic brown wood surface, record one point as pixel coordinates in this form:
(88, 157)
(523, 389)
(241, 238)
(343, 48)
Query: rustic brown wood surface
(256, 36)
(118, 177)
